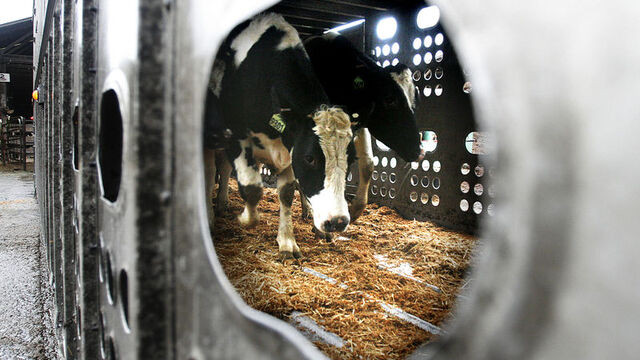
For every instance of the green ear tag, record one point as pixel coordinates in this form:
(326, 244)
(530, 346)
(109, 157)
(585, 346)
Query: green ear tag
(358, 83)
(277, 123)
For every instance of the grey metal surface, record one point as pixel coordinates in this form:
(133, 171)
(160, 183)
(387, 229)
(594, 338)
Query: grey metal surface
(557, 277)
(212, 322)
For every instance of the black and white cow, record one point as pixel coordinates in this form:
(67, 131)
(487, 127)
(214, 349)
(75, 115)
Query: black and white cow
(381, 100)
(278, 114)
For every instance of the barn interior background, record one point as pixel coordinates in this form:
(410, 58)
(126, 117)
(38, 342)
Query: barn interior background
(134, 268)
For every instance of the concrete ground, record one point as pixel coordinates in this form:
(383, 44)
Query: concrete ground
(26, 301)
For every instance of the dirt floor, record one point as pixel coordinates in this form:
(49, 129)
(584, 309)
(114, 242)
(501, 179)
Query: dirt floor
(378, 291)
(26, 297)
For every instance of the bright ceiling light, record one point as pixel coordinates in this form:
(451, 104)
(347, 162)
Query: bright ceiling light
(428, 17)
(345, 26)
(386, 28)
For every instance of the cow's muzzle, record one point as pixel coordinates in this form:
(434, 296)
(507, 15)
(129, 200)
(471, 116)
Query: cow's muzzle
(336, 223)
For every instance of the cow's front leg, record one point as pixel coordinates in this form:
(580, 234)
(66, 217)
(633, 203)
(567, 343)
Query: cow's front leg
(249, 183)
(224, 170)
(210, 181)
(364, 154)
(286, 241)
(304, 204)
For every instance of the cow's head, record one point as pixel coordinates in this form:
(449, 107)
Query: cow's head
(388, 105)
(320, 159)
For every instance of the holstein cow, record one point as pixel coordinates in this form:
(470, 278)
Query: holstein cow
(381, 100)
(261, 67)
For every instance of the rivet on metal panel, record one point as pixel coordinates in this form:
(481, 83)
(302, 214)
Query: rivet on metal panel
(165, 197)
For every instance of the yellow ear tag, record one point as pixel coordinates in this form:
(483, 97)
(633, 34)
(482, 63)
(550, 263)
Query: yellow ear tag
(358, 83)
(277, 123)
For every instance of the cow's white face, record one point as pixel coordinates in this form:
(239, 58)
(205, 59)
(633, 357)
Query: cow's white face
(321, 168)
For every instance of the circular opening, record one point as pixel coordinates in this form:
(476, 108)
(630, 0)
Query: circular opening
(478, 189)
(477, 207)
(465, 169)
(425, 165)
(111, 349)
(427, 91)
(383, 176)
(386, 28)
(464, 205)
(436, 183)
(438, 91)
(479, 170)
(395, 62)
(428, 41)
(384, 162)
(383, 191)
(439, 39)
(466, 87)
(108, 277)
(376, 160)
(417, 43)
(428, 17)
(435, 200)
(349, 176)
(392, 178)
(386, 63)
(439, 73)
(427, 58)
(78, 322)
(378, 51)
(393, 163)
(392, 193)
(427, 74)
(424, 198)
(436, 166)
(386, 49)
(395, 48)
(76, 140)
(475, 143)
(124, 297)
(103, 343)
(464, 187)
(424, 181)
(110, 146)
(374, 175)
(429, 141)
(416, 75)
(439, 55)
(415, 165)
(374, 190)
(378, 62)
(417, 59)
(413, 196)
(414, 180)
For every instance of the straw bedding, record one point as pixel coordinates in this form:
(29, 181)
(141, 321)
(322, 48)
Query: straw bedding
(435, 255)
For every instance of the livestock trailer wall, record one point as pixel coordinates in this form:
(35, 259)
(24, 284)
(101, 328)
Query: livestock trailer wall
(119, 175)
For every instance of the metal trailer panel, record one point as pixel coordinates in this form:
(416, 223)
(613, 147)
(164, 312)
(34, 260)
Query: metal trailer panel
(211, 320)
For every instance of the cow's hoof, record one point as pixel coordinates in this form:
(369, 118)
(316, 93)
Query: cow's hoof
(328, 237)
(248, 221)
(355, 211)
(286, 255)
(221, 210)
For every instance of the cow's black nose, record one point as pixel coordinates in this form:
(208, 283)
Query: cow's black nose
(337, 223)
